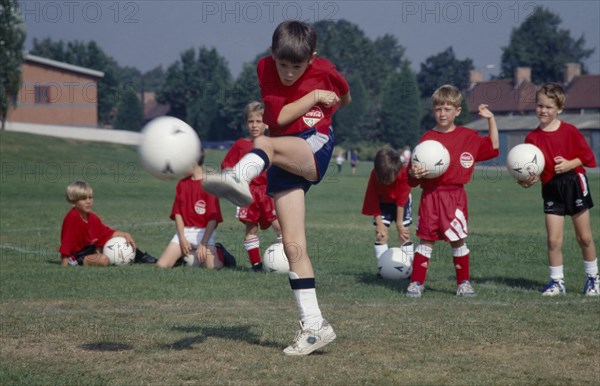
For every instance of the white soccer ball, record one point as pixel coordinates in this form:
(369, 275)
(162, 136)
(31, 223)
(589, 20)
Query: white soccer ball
(395, 264)
(119, 251)
(275, 260)
(433, 156)
(525, 160)
(169, 148)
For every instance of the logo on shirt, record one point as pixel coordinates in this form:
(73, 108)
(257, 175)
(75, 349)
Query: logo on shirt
(313, 116)
(467, 160)
(200, 207)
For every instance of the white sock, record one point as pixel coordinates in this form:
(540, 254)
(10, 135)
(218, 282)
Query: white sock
(408, 248)
(307, 304)
(379, 249)
(249, 167)
(591, 267)
(556, 273)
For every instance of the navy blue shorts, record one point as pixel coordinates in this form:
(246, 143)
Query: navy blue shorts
(279, 180)
(567, 194)
(389, 211)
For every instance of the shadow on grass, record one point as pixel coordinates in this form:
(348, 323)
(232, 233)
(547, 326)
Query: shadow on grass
(106, 346)
(373, 279)
(236, 333)
(513, 282)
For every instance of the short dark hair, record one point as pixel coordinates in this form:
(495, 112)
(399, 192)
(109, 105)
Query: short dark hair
(553, 91)
(294, 41)
(387, 165)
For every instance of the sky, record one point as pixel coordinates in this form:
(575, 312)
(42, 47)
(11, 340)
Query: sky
(146, 34)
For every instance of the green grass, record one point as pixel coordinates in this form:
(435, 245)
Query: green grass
(137, 325)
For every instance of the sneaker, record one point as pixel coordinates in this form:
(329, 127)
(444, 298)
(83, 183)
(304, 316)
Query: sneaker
(415, 290)
(257, 267)
(465, 289)
(308, 340)
(228, 186)
(145, 259)
(228, 258)
(554, 287)
(592, 285)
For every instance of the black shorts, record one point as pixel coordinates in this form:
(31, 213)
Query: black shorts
(389, 211)
(567, 194)
(80, 255)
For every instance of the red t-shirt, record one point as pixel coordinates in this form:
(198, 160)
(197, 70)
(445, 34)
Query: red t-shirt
(378, 193)
(466, 147)
(320, 74)
(566, 142)
(195, 205)
(78, 233)
(239, 149)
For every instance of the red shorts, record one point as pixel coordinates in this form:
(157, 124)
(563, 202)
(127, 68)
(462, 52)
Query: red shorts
(443, 214)
(261, 211)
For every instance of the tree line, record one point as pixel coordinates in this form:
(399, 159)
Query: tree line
(390, 100)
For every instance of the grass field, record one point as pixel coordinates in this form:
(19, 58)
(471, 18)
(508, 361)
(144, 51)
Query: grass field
(137, 325)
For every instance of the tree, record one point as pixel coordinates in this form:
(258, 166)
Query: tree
(539, 43)
(401, 108)
(12, 37)
(130, 112)
(350, 122)
(444, 68)
(243, 91)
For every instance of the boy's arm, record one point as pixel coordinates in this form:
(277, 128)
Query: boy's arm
(345, 99)
(403, 232)
(492, 128)
(127, 237)
(299, 107)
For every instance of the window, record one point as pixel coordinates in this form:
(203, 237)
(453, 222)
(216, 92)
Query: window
(42, 94)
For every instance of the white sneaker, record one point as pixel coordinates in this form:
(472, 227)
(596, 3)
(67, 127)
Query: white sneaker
(228, 186)
(554, 288)
(308, 340)
(415, 290)
(465, 289)
(592, 285)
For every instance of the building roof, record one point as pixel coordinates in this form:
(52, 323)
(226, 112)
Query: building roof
(584, 93)
(502, 96)
(529, 122)
(63, 66)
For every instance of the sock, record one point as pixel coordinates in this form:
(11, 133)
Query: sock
(421, 263)
(556, 273)
(591, 267)
(379, 249)
(461, 263)
(306, 300)
(279, 239)
(252, 164)
(409, 248)
(252, 246)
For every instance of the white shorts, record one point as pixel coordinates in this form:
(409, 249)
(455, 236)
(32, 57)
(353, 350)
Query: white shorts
(194, 236)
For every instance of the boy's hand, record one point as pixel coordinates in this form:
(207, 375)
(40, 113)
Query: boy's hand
(202, 253)
(327, 98)
(403, 233)
(417, 172)
(562, 165)
(185, 246)
(485, 112)
(527, 183)
(130, 240)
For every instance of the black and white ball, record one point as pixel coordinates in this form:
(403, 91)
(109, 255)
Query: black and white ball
(275, 260)
(395, 264)
(119, 251)
(525, 160)
(433, 156)
(169, 148)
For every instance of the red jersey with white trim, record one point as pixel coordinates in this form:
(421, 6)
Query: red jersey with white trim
(466, 147)
(320, 74)
(78, 233)
(567, 142)
(378, 193)
(239, 149)
(195, 205)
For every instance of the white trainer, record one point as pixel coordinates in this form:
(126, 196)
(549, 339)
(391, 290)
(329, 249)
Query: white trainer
(554, 288)
(308, 340)
(465, 289)
(415, 290)
(592, 285)
(228, 186)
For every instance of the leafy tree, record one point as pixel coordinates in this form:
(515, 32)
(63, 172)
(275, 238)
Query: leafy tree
(350, 122)
(153, 79)
(444, 68)
(539, 43)
(401, 108)
(129, 112)
(244, 90)
(12, 37)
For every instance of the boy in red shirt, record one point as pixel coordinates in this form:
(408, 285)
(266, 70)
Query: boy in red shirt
(301, 93)
(83, 233)
(387, 199)
(443, 213)
(565, 188)
(261, 212)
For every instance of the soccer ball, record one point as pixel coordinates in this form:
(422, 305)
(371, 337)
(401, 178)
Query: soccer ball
(525, 160)
(395, 264)
(433, 156)
(169, 148)
(119, 251)
(274, 259)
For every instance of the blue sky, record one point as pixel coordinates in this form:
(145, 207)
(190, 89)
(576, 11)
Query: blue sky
(145, 34)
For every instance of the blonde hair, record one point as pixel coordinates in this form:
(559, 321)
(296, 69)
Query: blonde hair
(447, 94)
(253, 107)
(553, 91)
(78, 190)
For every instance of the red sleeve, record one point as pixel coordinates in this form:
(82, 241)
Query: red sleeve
(371, 201)
(233, 156)
(486, 149)
(273, 104)
(213, 206)
(101, 232)
(68, 237)
(403, 188)
(176, 208)
(341, 83)
(583, 150)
